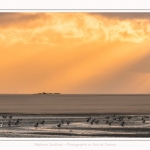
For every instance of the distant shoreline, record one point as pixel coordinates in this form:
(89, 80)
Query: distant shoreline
(45, 93)
(73, 114)
(74, 94)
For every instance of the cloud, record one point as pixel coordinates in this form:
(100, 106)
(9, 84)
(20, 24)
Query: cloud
(70, 52)
(124, 15)
(12, 19)
(61, 28)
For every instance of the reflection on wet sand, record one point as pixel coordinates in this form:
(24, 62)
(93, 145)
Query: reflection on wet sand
(75, 126)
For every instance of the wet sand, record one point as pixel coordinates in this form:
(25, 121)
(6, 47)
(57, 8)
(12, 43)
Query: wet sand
(78, 127)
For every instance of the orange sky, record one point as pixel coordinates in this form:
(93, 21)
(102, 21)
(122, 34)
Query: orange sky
(75, 53)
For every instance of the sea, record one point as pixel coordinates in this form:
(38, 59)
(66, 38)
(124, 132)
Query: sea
(74, 115)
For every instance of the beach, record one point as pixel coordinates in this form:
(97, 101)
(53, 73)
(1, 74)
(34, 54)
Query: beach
(78, 126)
(74, 115)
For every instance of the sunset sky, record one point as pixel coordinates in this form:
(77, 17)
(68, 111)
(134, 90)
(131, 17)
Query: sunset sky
(91, 53)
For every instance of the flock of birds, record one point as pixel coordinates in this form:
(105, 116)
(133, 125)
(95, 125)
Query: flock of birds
(36, 125)
(62, 122)
(10, 122)
(122, 120)
(109, 120)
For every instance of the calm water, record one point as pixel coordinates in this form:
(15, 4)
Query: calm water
(75, 104)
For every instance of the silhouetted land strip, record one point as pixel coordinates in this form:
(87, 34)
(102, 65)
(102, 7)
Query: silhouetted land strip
(45, 93)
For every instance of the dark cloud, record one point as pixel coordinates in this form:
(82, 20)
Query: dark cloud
(124, 15)
(7, 19)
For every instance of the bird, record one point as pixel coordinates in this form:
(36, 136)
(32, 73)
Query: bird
(59, 125)
(146, 117)
(107, 121)
(1, 124)
(88, 119)
(129, 117)
(42, 122)
(143, 121)
(4, 116)
(110, 123)
(36, 125)
(68, 122)
(62, 121)
(92, 121)
(123, 123)
(120, 118)
(97, 122)
(107, 117)
(10, 117)
(9, 123)
(17, 122)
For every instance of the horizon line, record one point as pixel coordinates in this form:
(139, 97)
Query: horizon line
(74, 94)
